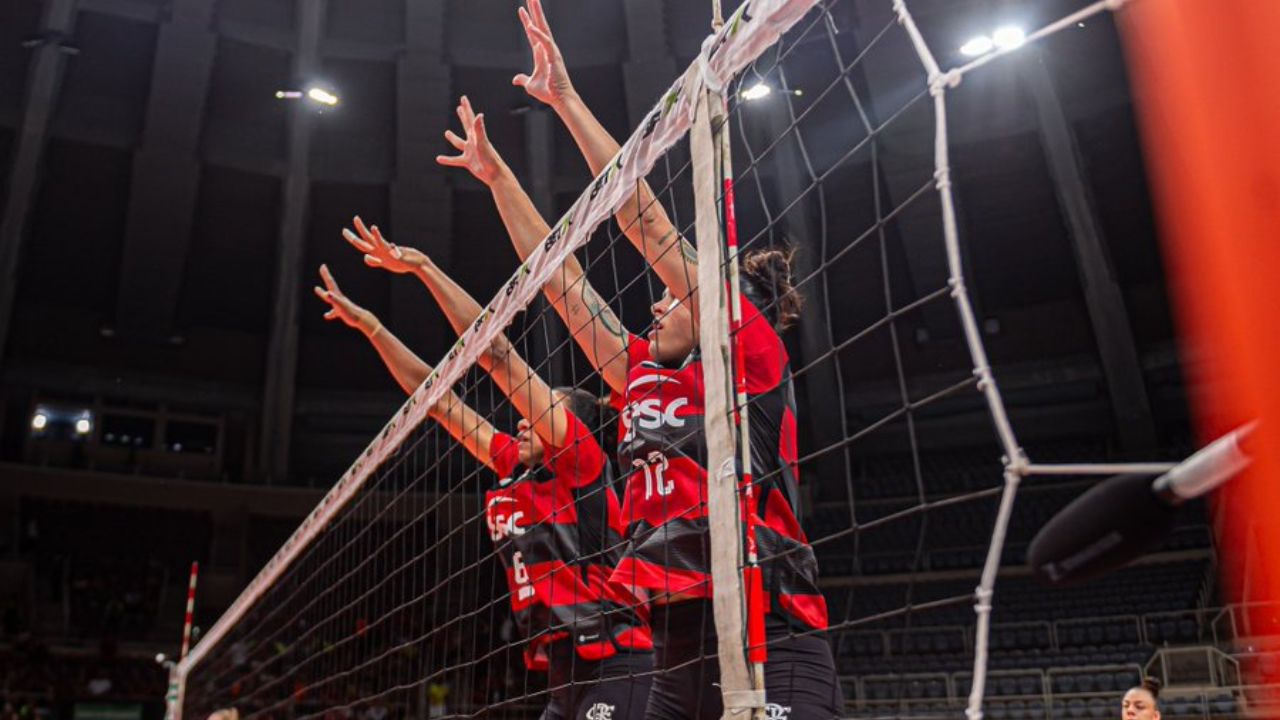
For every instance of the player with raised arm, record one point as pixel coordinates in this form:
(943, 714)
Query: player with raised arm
(658, 378)
(552, 516)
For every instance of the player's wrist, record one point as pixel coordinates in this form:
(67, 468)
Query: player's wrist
(565, 100)
(504, 181)
(493, 169)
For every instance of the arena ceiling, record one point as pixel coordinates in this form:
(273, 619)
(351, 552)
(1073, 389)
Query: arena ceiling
(167, 188)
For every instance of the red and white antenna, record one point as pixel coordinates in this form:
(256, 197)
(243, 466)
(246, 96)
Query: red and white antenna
(191, 607)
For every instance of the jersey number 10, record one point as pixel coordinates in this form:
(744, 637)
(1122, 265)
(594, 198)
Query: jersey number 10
(655, 469)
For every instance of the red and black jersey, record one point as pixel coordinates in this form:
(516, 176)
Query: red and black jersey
(663, 448)
(558, 530)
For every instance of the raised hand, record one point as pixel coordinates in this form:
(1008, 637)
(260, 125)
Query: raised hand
(380, 253)
(549, 81)
(341, 307)
(476, 153)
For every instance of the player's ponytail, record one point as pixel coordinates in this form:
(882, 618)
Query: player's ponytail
(767, 282)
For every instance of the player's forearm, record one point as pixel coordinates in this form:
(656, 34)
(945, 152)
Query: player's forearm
(405, 366)
(458, 306)
(528, 229)
(593, 325)
(520, 217)
(594, 142)
(465, 425)
(528, 392)
(598, 148)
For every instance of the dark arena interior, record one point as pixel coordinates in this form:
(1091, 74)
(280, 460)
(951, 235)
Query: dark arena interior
(177, 399)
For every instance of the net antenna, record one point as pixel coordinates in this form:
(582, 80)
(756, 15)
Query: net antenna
(173, 697)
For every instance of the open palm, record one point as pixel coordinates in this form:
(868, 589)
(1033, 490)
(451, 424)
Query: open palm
(549, 81)
(476, 153)
(340, 306)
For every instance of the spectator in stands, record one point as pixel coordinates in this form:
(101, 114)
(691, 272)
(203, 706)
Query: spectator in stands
(1142, 702)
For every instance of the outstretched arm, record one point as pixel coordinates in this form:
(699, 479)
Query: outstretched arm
(591, 322)
(528, 392)
(466, 425)
(642, 217)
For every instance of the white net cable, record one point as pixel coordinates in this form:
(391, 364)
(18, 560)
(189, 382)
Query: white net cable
(1017, 465)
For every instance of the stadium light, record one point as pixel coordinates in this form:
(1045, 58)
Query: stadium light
(288, 94)
(980, 45)
(757, 91)
(322, 96)
(1009, 37)
(83, 426)
(39, 421)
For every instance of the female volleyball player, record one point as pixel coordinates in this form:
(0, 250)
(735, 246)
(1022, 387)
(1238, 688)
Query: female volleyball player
(1142, 702)
(658, 378)
(552, 516)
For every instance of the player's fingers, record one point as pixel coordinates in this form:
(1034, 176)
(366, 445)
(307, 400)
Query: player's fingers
(360, 228)
(525, 21)
(540, 36)
(327, 277)
(451, 160)
(355, 241)
(465, 105)
(539, 16)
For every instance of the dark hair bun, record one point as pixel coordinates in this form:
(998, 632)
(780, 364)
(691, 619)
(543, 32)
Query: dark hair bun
(768, 274)
(1152, 685)
(585, 406)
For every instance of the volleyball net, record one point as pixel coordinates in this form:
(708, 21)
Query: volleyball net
(799, 128)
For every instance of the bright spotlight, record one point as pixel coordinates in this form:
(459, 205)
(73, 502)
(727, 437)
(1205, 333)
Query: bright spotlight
(39, 421)
(757, 91)
(160, 658)
(322, 96)
(288, 94)
(980, 45)
(1009, 37)
(83, 426)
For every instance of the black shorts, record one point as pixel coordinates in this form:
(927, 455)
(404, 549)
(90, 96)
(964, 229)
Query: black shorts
(799, 675)
(615, 688)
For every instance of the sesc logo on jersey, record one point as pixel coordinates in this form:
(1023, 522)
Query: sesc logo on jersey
(657, 411)
(501, 519)
(650, 414)
(774, 711)
(600, 711)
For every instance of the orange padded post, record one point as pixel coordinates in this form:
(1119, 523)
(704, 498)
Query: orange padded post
(1208, 102)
